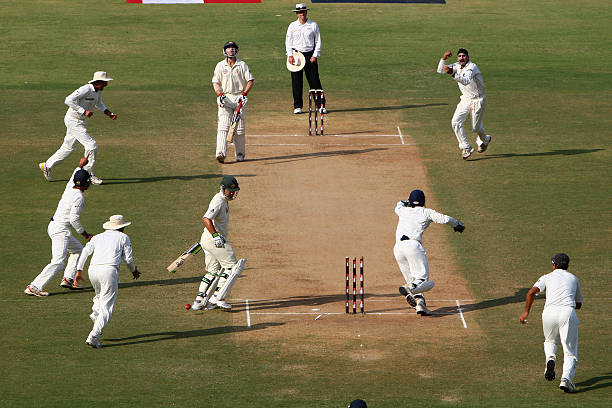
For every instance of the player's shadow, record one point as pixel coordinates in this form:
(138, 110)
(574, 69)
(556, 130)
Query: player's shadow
(136, 180)
(315, 155)
(518, 297)
(564, 152)
(264, 304)
(384, 108)
(175, 335)
(592, 383)
(136, 283)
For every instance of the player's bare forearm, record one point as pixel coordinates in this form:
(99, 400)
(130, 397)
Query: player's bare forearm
(529, 299)
(209, 225)
(217, 88)
(248, 87)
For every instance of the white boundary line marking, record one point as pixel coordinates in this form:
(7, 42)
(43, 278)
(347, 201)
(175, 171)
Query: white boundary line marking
(248, 314)
(461, 314)
(400, 135)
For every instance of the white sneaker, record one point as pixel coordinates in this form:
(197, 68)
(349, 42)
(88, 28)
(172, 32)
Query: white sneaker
(297, 111)
(198, 305)
(409, 296)
(567, 386)
(220, 303)
(323, 110)
(220, 158)
(95, 180)
(46, 171)
(34, 291)
(467, 152)
(483, 147)
(240, 157)
(93, 342)
(421, 307)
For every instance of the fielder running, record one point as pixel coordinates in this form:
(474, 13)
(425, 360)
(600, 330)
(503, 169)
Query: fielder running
(559, 320)
(62, 242)
(222, 268)
(80, 107)
(232, 81)
(107, 248)
(473, 101)
(409, 253)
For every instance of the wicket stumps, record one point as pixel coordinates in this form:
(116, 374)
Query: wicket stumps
(361, 290)
(318, 97)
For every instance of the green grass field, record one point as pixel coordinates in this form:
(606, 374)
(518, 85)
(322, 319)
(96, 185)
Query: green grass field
(543, 188)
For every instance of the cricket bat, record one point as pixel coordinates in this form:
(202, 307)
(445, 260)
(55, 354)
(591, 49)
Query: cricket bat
(232, 130)
(185, 256)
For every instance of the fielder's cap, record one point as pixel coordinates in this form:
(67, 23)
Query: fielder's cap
(100, 76)
(358, 403)
(300, 7)
(81, 178)
(115, 222)
(299, 61)
(463, 51)
(230, 183)
(561, 260)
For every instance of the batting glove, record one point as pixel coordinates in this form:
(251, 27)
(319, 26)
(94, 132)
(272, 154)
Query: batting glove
(243, 98)
(219, 240)
(459, 228)
(221, 100)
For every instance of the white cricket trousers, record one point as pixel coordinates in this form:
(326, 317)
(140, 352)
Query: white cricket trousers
(412, 261)
(105, 281)
(216, 259)
(476, 108)
(560, 323)
(75, 132)
(62, 243)
(225, 115)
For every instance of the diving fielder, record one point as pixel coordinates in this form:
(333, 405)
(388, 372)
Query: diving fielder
(409, 253)
(219, 255)
(559, 320)
(473, 101)
(232, 81)
(80, 107)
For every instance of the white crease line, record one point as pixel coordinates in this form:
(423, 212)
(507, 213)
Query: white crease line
(329, 144)
(400, 135)
(248, 313)
(334, 135)
(461, 314)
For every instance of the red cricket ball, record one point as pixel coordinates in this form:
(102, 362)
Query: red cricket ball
(187, 306)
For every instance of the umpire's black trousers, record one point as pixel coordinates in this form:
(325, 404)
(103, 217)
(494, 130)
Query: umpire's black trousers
(297, 79)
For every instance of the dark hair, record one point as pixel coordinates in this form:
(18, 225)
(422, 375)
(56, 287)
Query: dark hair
(463, 51)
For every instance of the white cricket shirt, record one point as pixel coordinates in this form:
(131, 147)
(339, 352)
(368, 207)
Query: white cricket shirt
(71, 204)
(84, 98)
(218, 213)
(562, 288)
(469, 78)
(108, 248)
(233, 79)
(414, 221)
(303, 37)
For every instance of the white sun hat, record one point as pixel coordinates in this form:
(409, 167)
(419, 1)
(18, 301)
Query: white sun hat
(298, 62)
(100, 76)
(115, 222)
(300, 7)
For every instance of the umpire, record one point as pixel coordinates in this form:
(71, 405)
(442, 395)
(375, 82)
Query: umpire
(304, 36)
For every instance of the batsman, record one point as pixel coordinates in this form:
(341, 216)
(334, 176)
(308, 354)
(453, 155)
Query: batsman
(232, 81)
(222, 268)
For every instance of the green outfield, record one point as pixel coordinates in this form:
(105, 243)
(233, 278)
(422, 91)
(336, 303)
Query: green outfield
(543, 187)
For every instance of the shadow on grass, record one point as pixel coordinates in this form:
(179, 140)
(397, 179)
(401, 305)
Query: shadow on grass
(174, 335)
(567, 152)
(137, 283)
(384, 108)
(592, 384)
(518, 297)
(135, 180)
(315, 155)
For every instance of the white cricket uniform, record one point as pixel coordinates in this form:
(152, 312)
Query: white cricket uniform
(108, 249)
(559, 320)
(473, 101)
(233, 80)
(303, 37)
(409, 253)
(67, 215)
(84, 98)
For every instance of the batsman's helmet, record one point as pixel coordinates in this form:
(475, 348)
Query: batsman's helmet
(417, 198)
(230, 44)
(81, 178)
(561, 260)
(230, 183)
(358, 403)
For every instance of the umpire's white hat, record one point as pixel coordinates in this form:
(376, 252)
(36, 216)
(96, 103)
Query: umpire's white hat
(298, 62)
(100, 76)
(115, 222)
(300, 7)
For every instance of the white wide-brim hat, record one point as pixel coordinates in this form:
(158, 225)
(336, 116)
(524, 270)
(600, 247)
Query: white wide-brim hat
(115, 222)
(299, 62)
(300, 7)
(100, 76)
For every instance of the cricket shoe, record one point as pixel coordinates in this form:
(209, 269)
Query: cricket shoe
(409, 296)
(220, 304)
(93, 342)
(467, 152)
(95, 180)
(34, 291)
(297, 111)
(220, 158)
(240, 157)
(549, 374)
(46, 171)
(323, 110)
(198, 305)
(483, 147)
(421, 307)
(68, 283)
(567, 386)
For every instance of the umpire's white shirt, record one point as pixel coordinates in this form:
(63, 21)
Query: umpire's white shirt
(303, 37)
(108, 248)
(71, 204)
(469, 78)
(233, 79)
(414, 221)
(218, 213)
(84, 98)
(562, 288)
